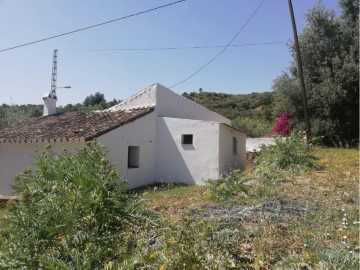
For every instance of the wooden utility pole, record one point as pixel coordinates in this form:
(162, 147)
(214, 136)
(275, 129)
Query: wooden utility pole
(301, 74)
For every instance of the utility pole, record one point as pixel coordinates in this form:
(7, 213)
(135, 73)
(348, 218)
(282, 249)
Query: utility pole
(301, 74)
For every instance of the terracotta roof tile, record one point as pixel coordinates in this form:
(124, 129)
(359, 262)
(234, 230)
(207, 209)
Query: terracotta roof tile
(69, 126)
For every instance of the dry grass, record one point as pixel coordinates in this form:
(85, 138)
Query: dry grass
(174, 200)
(329, 198)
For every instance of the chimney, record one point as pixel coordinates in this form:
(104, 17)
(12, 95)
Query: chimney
(49, 103)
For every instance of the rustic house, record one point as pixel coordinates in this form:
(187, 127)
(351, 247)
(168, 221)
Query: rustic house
(154, 136)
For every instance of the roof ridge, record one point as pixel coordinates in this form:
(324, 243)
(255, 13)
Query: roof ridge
(132, 97)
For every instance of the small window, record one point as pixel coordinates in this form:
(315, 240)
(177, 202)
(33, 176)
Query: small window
(187, 139)
(234, 146)
(133, 156)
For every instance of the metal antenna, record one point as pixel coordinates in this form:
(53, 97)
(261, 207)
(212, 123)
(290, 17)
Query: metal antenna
(54, 72)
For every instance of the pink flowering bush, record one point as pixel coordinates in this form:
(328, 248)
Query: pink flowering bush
(283, 125)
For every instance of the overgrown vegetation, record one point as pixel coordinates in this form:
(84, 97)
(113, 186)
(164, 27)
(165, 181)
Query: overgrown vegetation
(286, 158)
(235, 184)
(293, 217)
(76, 214)
(73, 214)
(291, 154)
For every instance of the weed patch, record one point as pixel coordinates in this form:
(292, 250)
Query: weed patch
(73, 213)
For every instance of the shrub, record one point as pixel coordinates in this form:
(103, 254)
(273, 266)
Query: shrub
(288, 154)
(233, 185)
(72, 215)
(283, 126)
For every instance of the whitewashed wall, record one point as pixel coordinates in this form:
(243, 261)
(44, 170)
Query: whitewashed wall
(16, 157)
(142, 133)
(227, 160)
(192, 164)
(169, 104)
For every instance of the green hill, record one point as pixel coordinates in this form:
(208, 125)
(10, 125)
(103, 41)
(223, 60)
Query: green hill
(252, 113)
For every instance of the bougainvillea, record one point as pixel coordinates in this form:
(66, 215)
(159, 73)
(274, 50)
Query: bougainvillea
(283, 125)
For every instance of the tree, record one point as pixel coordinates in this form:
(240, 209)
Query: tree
(329, 50)
(96, 99)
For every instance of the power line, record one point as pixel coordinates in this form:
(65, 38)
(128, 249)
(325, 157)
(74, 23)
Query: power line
(227, 46)
(92, 26)
(179, 48)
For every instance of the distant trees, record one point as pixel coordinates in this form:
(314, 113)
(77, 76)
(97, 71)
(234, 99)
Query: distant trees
(93, 100)
(98, 102)
(12, 114)
(330, 53)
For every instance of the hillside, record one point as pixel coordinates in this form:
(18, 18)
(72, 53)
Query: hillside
(252, 113)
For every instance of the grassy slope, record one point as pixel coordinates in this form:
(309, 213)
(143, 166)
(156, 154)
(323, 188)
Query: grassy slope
(330, 196)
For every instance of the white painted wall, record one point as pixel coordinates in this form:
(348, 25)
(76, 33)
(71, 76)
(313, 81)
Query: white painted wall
(192, 164)
(142, 133)
(16, 157)
(169, 104)
(227, 160)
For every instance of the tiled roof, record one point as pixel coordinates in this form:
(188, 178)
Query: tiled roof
(70, 126)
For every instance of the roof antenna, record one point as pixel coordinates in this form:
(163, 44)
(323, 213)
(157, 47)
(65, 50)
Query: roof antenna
(50, 98)
(54, 73)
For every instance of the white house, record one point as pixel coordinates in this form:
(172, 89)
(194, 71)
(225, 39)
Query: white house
(154, 136)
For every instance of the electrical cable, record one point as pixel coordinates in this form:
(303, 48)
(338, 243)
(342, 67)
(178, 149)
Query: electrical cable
(92, 26)
(227, 46)
(179, 48)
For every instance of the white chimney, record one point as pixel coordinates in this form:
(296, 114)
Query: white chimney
(49, 103)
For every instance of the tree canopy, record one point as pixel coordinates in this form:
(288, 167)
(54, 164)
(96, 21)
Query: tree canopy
(329, 49)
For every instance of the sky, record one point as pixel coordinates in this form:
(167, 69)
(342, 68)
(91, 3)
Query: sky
(86, 63)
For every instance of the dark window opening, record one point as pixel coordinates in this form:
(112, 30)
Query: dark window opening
(133, 156)
(234, 146)
(187, 139)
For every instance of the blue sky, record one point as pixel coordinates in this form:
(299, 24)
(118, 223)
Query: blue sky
(25, 73)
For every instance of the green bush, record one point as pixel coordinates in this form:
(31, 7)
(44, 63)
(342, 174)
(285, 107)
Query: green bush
(288, 154)
(282, 161)
(233, 185)
(73, 213)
